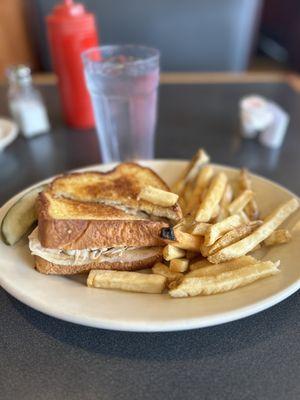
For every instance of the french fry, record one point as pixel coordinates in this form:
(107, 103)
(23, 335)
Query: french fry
(158, 196)
(199, 228)
(163, 270)
(212, 198)
(258, 247)
(247, 244)
(278, 237)
(233, 236)
(178, 186)
(215, 231)
(202, 181)
(244, 217)
(186, 241)
(187, 193)
(226, 281)
(296, 227)
(204, 249)
(179, 265)
(190, 172)
(182, 204)
(215, 213)
(185, 224)
(203, 194)
(239, 203)
(175, 283)
(199, 264)
(199, 159)
(128, 281)
(222, 215)
(251, 208)
(227, 196)
(215, 269)
(187, 186)
(171, 252)
(224, 203)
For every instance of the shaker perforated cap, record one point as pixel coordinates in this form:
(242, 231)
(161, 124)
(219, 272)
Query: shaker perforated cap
(19, 74)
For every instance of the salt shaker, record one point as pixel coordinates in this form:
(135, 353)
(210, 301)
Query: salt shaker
(25, 102)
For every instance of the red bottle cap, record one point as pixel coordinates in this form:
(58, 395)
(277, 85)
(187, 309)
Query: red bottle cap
(68, 10)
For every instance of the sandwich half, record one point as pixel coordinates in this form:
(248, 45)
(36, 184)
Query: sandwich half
(95, 220)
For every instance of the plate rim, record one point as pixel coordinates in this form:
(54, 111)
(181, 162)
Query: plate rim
(154, 326)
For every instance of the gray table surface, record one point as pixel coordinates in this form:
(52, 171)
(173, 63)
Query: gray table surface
(254, 358)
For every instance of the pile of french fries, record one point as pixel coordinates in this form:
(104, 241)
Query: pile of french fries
(209, 250)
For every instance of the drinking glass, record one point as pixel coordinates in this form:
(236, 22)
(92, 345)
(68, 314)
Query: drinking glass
(123, 84)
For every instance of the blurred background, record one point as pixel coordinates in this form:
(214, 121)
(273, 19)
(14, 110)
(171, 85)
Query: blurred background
(194, 35)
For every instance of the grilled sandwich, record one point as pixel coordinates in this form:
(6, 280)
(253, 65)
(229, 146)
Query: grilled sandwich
(94, 220)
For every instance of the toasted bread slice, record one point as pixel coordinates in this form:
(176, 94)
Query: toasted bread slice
(69, 224)
(60, 208)
(119, 187)
(139, 259)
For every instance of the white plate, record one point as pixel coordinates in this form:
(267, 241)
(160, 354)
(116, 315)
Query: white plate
(69, 299)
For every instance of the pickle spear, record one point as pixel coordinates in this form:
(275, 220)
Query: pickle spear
(20, 217)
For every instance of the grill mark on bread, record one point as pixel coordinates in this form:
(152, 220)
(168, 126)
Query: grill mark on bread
(121, 185)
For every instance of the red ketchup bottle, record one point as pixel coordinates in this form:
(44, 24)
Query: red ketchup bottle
(71, 30)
